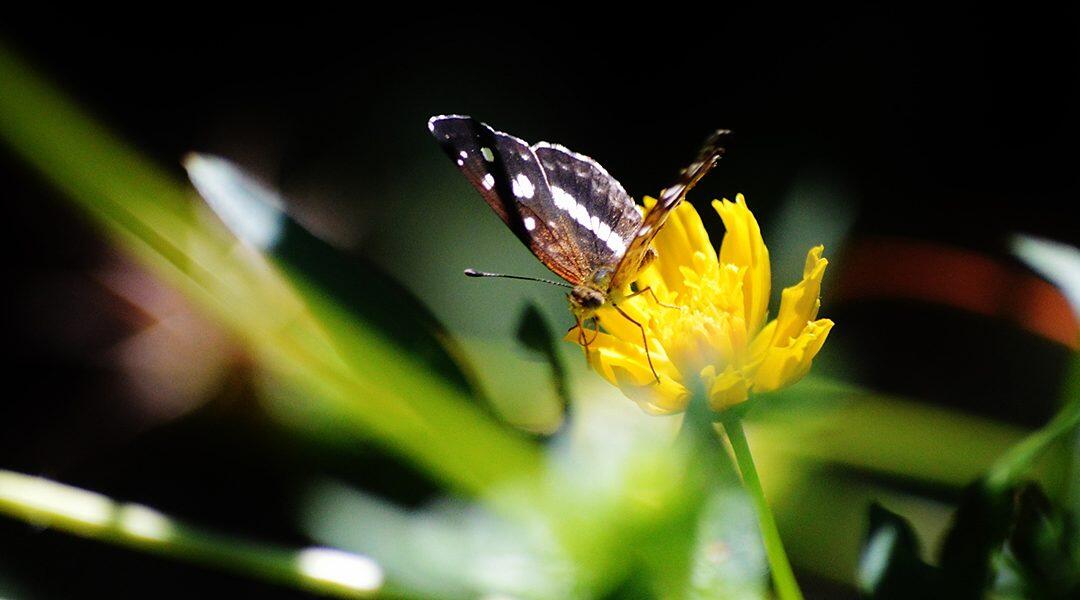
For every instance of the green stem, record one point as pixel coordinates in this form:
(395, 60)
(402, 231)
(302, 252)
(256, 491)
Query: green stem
(783, 578)
(45, 503)
(1019, 459)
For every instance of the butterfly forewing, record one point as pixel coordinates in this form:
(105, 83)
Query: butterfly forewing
(573, 215)
(593, 205)
(711, 151)
(507, 173)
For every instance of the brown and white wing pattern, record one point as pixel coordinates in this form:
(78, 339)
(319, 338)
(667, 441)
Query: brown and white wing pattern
(711, 151)
(594, 207)
(571, 213)
(507, 173)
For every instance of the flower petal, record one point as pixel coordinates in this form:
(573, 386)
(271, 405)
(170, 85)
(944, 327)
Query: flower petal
(607, 352)
(744, 247)
(718, 322)
(727, 389)
(637, 308)
(799, 303)
(682, 236)
(689, 229)
(784, 365)
(762, 342)
(664, 398)
(625, 366)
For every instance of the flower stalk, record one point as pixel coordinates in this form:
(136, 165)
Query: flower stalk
(699, 422)
(719, 347)
(787, 588)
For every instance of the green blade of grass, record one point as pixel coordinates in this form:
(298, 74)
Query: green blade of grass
(284, 320)
(45, 503)
(1010, 468)
(259, 216)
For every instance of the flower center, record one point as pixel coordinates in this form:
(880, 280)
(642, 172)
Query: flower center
(711, 328)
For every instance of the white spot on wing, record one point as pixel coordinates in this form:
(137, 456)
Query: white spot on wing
(463, 154)
(460, 163)
(562, 198)
(616, 244)
(564, 201)
(581, 214)
(530, 223)
(489, 181)
(583, 159)
(603, 232)
(523, 187)
(575, 211)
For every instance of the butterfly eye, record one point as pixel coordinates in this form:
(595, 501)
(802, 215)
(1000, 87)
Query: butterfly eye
(587, 298)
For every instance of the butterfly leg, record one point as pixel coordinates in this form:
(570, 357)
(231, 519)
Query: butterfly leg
(596, 329)
(582, 340)
(644, 340)
(654, 297)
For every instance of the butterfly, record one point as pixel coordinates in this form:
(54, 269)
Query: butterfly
(571, 213)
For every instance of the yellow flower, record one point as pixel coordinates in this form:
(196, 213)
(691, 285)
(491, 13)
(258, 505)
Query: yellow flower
(715, 327)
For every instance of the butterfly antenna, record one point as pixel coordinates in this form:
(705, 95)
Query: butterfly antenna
(475, 273)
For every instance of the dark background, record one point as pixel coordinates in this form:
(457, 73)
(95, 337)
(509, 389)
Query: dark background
(959, 129)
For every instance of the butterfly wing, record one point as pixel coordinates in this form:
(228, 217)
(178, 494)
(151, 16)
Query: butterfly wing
(711, 151)
(593, 206)
(507, 173)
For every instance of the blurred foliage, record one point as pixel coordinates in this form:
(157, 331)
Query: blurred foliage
(285, 318)
(535, 333)
(257, 216)
(1007, 538)
(1010, 543)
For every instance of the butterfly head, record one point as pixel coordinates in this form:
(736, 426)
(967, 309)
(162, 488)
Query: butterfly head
(585, 300)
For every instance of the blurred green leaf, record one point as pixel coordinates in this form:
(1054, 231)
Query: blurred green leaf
(1015, 464)
(890, 565)
(377, 391)
(998, 506)
(728, 560)
(1002, 534)
(258, 215)
(979, 528)
(47, 504)
(1013, 544)
(829, 421)
(1041, 558)
(449, 549)
(534, 332)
